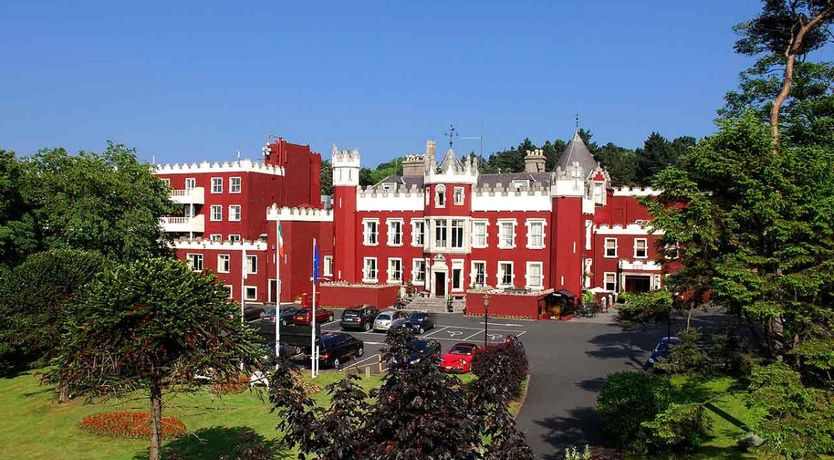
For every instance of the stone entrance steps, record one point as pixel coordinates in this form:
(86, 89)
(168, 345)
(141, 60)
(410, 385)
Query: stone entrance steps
(435, 305)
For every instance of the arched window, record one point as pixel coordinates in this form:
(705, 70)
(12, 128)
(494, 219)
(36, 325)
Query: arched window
(440, 196)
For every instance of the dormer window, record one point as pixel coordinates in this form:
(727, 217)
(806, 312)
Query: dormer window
(387, 187)
(440, 196)
(599, 193)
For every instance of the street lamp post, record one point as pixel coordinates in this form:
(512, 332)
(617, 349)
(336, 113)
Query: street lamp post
(486, 317)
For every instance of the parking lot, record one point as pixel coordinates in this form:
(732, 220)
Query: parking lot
(448, 330)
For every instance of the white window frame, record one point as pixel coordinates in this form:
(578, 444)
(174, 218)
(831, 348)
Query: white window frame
(606, 248)
(224, 263)
(254, 297)
(499, 274)
(445, 234)
(216, 237)
(474, 273)
(527, 277)
(166, 181)
(366, 240)
(390, 223)
(216, 213)
(645, 248)
(599, 193)
(232, 218)
(462, 229)
(216, 185)
(192, 258)
(230, 289)
(234, 237)
(365, 275)
(327, 267)
(501, 243)
(459, 192)
(476, 223)
(458, 265)
(530, 223)
(605, 281)
(440, 196)
(252, 264)
(391, 261)
(190, 183)
(235, 187)
(418, 232)
(418, 266)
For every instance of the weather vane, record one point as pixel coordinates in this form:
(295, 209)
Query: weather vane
(451, 134)
(577, 120)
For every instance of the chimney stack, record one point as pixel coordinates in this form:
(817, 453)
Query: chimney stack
(413, 166)
(534, 161)
(431, 149)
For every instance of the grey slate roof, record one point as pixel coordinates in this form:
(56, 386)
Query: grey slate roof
(577, 152)
(491, 180)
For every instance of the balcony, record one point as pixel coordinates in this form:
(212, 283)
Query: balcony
(196, 224)
(196, 195)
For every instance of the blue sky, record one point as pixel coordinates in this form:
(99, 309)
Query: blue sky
(187, 81)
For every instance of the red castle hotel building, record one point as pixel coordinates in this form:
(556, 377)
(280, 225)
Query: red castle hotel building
(443, 227)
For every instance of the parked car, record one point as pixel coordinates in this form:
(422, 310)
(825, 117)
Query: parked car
(304, 317)
(384, 319)
(458, 360)
(360, 317)
(251, 313)
(417, 321)
(661, 350)
(336, 348)
(287, 315)
(416, 351)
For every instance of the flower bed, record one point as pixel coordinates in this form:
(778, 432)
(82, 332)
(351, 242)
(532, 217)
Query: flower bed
(228, 388)
(128, 424)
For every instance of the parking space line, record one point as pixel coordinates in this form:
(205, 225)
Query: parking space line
(435, 332)
(366, 359)
(521, 333)
(473, 335)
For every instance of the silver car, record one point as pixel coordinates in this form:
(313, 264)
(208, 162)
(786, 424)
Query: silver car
(384, 319)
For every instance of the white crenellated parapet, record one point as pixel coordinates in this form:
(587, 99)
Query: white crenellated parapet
(287, 214)
(500, 198)
(202, 243)
(636, 191)
(215, 167)
(644, 228)
(345, 167)
(452, 170)
(396, 198)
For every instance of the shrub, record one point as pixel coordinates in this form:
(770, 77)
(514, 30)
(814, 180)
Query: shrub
(688, 356)
(681, 427)
(506, 359)
(128, 424)
(627, 400)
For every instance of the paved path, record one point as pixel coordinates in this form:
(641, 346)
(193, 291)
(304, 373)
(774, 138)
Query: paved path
(568, 362)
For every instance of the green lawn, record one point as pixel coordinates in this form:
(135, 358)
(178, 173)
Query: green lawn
(36, 426)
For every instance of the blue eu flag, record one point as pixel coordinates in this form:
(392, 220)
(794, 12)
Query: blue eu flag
(316, 259)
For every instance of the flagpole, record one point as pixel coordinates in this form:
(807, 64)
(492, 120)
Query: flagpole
(313, 329)
(242, 281)
(278, 288)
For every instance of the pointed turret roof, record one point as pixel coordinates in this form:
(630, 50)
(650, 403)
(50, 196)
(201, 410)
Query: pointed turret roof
(450, 159)
(577, 152)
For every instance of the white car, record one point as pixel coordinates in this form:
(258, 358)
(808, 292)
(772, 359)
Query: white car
(384, 319)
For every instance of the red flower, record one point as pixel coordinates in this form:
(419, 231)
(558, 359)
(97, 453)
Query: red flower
(128, 424)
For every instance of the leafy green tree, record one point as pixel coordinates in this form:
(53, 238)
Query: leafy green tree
(789, 29)
(627, 400)
(152, 324)
(798, 421)
(658, 153)
(510, 160)
(620, 163)
(762, 225)
(108, 202)
(807, 115)
(17, 227)
(389, 168)
(366, 177)
(35, 297)
(326, 177)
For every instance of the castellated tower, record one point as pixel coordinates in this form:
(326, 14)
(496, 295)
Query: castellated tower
(345, 184)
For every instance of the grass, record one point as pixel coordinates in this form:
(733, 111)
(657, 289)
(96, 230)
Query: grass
(36, 426)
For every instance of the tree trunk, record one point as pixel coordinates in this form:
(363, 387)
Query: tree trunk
(63, 391)
(689, 315)
(787, 82)
(156, 421)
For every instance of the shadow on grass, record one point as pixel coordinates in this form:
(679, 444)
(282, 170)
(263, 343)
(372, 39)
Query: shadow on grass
(11, 370)
(579, 428)
(217, 442)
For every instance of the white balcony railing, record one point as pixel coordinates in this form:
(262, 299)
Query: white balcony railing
(177, 224)
(196, 195)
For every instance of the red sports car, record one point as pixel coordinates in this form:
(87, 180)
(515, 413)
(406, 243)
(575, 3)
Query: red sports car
(305, 317)
(458, 360)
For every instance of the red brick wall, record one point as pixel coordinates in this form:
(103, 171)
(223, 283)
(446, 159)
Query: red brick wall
(346, 296)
